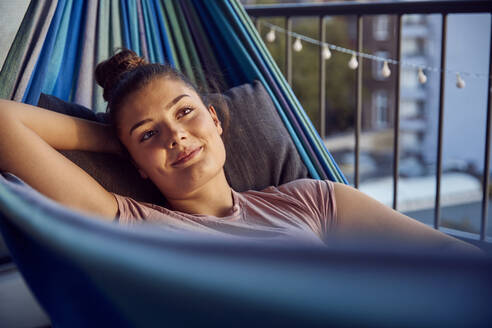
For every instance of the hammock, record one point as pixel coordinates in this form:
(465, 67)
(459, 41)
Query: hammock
(91, 273)
(59, 42)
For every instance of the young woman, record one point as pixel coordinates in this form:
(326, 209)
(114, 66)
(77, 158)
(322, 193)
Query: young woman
(174, 139)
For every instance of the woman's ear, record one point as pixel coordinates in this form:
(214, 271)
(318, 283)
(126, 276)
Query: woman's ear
(215, 118)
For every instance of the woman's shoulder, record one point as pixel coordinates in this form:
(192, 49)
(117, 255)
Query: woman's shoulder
(301, 189)
(130, 209)
(305, 185)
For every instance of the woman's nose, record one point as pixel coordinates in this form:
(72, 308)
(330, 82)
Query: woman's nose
(176, 137)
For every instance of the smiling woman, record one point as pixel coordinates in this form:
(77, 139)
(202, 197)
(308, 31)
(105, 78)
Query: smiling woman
(175, 141)
(173, 136)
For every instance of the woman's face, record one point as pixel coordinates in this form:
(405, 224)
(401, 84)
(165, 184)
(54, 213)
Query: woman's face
(172, 137)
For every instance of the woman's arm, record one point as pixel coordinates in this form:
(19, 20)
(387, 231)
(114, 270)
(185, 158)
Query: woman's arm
(360, 216)
(28, 139)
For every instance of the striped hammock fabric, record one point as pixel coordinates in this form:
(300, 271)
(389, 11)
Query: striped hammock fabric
(60, 42)
(93, 273)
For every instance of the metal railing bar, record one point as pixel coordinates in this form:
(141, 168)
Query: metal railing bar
(322, 77)
(464, 234)
(396, 140)
(288, 50)
(372, 8)
(358, 115)
(486, 166)
(257, 24)
(437, 209)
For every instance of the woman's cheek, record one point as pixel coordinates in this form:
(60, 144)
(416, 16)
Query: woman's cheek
(201, 124)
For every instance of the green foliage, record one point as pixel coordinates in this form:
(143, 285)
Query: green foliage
(340, 80)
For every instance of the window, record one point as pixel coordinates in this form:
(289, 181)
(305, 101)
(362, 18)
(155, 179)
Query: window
(381, 27)
(377, 65)
(410, 46)
(409, 78)
(409, 108)
(413, 19)
(380, 108)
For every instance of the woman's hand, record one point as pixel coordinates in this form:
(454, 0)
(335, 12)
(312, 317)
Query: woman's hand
(28, 139)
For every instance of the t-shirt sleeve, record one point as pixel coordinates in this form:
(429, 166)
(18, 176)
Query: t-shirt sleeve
(129, 210)
(318, 196)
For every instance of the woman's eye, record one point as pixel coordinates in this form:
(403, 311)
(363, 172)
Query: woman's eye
(147, 135)
(184, 111)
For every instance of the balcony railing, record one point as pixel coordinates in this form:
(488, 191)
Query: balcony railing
(362, 10)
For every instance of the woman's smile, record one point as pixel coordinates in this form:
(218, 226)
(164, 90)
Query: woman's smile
(186, 156)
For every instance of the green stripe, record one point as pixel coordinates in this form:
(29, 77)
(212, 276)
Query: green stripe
(190, 45)
(213, 64)
(178, 38)
(116, 37)
(13, 63)
(170, 40)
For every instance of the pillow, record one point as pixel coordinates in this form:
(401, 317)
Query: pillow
(259, 150)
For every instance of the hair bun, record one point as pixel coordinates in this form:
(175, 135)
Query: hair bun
(111, 70)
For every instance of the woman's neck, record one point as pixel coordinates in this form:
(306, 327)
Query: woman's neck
(214, 199)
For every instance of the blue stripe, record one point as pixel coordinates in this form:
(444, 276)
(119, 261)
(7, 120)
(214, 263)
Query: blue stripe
(148, 37)
(56, 58)
(70, 63)
(231, 70)
(168, 55)
(35, 84)
(133, 26)
(154, 32)
(125, 20)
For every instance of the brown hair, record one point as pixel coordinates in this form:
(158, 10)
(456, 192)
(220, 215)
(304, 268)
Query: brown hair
(126, 72)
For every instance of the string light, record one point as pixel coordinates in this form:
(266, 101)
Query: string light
(297, 45)
(353, 63)
(422, 77)
(460, 83)
(270, 36)
(326, 53)
(385, 71)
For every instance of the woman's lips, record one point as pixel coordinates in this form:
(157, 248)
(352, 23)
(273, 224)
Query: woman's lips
(187, 157)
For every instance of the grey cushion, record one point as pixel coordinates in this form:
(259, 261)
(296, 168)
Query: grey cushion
(260, 152)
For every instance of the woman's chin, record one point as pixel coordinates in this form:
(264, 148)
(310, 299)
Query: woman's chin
(190, 180)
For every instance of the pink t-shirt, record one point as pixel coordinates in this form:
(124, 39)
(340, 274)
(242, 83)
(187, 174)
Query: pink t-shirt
(303, 209)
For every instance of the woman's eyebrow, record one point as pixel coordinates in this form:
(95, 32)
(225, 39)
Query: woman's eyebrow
(136, 125)
(175, 101)
(169, 105)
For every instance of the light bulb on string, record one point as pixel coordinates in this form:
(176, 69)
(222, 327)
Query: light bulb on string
(326, 53)
(270, 36)
(421, 76)
(460, 83)
(385, 71)
(353, 63)
(297, 45)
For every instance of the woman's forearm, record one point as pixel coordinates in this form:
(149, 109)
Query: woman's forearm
(361, 217)
(28, 139)
(60, 131)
